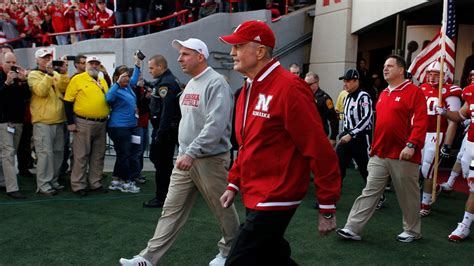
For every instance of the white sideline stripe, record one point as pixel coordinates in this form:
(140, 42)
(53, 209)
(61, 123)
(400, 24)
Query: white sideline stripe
(284, 203)
(327, 206)
(234, 186)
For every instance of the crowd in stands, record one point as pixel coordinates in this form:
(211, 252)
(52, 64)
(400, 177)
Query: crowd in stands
(30, 23)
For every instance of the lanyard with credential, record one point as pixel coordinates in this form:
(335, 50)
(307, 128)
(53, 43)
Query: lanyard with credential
(100, 85)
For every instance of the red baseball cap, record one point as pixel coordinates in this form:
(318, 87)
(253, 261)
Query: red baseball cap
(251, 31)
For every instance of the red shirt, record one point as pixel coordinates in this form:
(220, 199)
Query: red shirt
(401, 118)
(281, 142)
(468, 96)
(105, 19)
(57, 15)
(431, 94)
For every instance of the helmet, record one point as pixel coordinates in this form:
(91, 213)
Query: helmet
(435, 66)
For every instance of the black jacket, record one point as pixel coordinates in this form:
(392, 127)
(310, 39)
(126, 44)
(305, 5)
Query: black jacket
(13, 99)
(164, 105)
(327, 112)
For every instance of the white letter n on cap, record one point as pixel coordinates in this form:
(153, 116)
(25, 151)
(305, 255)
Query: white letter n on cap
(263, 102)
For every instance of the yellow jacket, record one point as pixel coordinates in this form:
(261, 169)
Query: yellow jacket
(46, 97)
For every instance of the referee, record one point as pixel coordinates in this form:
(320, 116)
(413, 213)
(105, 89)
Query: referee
(355, 139)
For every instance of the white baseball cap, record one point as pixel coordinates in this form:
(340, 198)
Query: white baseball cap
(42, 52)
(193, 44)
(92, 58)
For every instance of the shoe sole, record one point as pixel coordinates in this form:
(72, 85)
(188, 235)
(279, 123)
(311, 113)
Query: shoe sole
(356, 238)
(407, 240)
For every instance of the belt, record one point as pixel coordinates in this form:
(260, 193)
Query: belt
(93, 119)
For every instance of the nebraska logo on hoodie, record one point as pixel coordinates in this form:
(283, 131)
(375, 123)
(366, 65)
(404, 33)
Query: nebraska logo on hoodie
(261, 109)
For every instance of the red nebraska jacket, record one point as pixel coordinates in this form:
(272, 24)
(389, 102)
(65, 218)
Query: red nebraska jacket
(281, 139)
(401, 118)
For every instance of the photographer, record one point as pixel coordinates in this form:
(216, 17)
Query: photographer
(164, 116)
(48, 86)
(14, 93)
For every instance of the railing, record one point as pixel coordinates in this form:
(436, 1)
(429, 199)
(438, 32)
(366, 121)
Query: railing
(181, 16)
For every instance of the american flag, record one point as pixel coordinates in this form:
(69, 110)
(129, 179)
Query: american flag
(434, 50)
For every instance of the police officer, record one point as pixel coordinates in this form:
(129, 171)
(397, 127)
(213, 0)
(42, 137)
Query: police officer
(325, 107)
(164, 117)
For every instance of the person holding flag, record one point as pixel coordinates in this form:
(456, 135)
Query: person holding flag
(451, 99)
(441, 49)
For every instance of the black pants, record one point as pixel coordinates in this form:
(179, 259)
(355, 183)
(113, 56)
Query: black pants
(161, 155)
(357, 149)
(25, 161)
(260, 240)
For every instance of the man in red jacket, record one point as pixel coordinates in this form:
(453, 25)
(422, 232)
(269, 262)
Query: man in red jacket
(399, 135)
(278, 147)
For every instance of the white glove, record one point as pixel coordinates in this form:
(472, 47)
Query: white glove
(440, 110)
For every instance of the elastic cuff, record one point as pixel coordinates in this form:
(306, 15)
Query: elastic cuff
(327, 208)
(232, 187)
(190, 155)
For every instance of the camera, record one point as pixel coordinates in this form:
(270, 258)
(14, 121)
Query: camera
(140, 55)
(71, 57)
(58, 63)
(14, 69)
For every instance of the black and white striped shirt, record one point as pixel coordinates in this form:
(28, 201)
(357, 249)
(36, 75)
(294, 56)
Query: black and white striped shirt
(358, 113)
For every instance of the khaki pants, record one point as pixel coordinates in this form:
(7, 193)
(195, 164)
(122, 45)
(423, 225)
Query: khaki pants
(208, 176)
(405, 181)
(88, 147)
(49, 146)
(8, 146)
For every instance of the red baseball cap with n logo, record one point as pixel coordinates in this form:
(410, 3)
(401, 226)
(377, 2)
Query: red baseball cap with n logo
(251, 31)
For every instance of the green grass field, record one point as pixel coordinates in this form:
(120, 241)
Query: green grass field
(101, 228)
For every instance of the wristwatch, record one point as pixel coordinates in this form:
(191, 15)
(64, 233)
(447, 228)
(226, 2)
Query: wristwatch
(411, 145)
(327, 215)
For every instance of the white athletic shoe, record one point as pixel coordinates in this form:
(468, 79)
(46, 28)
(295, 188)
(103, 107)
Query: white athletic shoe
(130, 187)
(461, 232)
(219, 260)
(446, 187)
(136, 261)
(348, 234)
(407, 238)
(115, 185)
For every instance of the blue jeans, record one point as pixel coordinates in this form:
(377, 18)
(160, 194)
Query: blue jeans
(127, 163)
(138, 153)
(121, 18)
(62, 39)
(141, 15)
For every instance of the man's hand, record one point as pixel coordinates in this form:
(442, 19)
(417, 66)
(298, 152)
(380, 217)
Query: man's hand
(49, 68)
(326, 226)
(332, 142)
(440, 110)
(407, 153)
(184, 162)
(102, 69)
(227, 198)
(72, 128)
(11, 75)
(345, 139)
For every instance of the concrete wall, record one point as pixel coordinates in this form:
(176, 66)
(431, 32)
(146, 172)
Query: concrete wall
(207, 29)
(334, 48)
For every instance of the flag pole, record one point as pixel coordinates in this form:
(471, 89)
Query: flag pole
(440, 98)
(438, 129)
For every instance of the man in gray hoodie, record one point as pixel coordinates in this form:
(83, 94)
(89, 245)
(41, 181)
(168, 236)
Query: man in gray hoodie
(202, 164)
